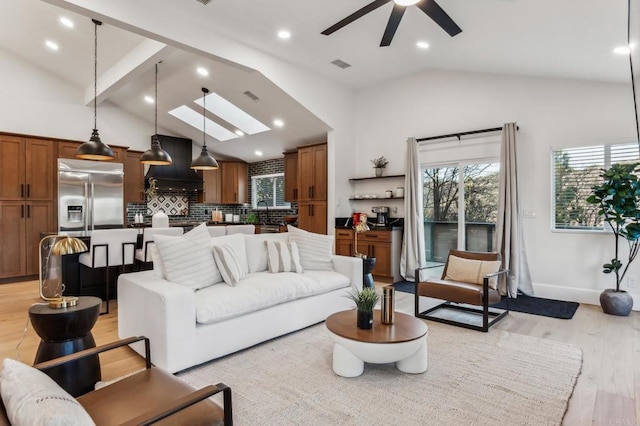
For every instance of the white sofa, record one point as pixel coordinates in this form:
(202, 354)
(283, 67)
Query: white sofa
(188, 327)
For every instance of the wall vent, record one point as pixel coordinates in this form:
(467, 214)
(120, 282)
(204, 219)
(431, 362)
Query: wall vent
(251, 95)
(340, 63)
(205, 2)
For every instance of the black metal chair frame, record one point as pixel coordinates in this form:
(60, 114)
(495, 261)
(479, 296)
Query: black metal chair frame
(106, 273)
(483, 309)
(143, 262)
(152, 416)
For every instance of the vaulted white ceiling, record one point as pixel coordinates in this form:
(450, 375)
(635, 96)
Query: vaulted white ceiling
(550, 38)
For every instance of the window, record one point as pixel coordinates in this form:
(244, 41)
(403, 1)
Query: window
(575, 171)
(270, 189)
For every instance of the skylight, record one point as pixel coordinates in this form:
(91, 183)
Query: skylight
(233, 115)
(194, 119)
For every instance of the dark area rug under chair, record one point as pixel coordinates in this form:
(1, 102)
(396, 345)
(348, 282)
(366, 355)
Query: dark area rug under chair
(525, 304)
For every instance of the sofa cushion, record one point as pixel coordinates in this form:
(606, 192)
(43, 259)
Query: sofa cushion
(316, 250)
(257, 251)
(262, 290)
(236, 243)
(228, 264)
(283, 257)
(33, 398)
(188, 259)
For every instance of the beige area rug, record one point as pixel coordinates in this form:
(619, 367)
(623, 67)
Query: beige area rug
(473, 378)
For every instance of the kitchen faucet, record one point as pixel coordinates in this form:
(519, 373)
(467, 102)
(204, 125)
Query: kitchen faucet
(266, 205)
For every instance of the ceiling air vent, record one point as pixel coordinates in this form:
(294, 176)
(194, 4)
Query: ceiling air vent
(340, 63)
(205, 2)
(251, 95)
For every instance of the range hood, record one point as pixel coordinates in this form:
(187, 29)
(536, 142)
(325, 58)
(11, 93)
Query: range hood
(177, 176)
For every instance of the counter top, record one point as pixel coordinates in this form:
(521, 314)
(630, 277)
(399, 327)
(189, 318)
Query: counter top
(375, 228)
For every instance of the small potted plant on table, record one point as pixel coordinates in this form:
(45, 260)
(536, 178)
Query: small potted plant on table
(366, 300)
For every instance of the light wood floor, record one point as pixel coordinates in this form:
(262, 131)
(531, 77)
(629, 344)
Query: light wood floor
(607, 392)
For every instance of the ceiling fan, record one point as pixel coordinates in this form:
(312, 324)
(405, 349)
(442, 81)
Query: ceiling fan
(430, 7)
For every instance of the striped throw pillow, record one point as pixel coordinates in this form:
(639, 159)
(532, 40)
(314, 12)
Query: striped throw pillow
(283, 257)
(316, 250)
(228, 264)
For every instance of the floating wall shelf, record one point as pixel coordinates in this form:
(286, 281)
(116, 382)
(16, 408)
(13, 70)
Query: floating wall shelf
(373, 177)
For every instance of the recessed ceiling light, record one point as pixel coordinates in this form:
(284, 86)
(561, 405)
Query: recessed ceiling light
(278, 123)
(422, 45)
(66, 22)
(259, 153)
(203, 71)
(284, 34)
(622, 50)
(239, 132)
(148, 99)
(406, 2)
(52, 45)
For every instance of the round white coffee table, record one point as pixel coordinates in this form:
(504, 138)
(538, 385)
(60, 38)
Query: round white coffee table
(403, 342)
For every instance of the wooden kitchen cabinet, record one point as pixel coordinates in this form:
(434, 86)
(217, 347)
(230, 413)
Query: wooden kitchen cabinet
(291, 176)
(13, 239)
(67, 149)
(312, 173)
(344, 242)
(212, 186)
(234, 182)
(26, 169)
(39, 218)
(312, 216)
(133, 178)
(385, 246)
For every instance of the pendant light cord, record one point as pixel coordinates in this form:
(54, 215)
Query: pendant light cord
(204, 119)
(95, 73)
(156, 99)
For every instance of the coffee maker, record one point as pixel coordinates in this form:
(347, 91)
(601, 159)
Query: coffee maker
(382, 218)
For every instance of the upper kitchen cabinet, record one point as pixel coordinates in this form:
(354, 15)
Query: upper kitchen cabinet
(67, 149)
(133, 177)
(212, 186)
(312, 173)
(26, 169)
(291, 176)
(234, 182)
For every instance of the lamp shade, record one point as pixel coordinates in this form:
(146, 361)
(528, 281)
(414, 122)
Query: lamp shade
(53, 286)
(68, 245)
(95, 149)
(204, 161)
(156, 156)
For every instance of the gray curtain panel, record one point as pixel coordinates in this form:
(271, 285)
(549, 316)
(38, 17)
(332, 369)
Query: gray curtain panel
(509, 239)
(412, 255)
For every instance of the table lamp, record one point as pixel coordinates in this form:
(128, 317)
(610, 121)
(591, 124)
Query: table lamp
(360, 228)
(65, 245)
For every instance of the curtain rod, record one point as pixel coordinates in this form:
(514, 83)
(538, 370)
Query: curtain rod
(458, 135)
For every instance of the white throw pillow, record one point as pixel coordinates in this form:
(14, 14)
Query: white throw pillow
(33, 398)
(257, 250)
(187, 260)
(236, 243)
(158, 267)
(472, 271)
(316, 250)
(283, 257)
(228, 264)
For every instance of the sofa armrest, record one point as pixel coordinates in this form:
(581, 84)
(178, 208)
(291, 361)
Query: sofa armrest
(351, 267)
(163, 311)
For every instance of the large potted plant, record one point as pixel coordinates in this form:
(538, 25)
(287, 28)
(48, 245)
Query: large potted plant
(618, 196)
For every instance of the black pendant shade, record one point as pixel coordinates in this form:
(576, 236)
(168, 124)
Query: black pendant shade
(95, 149)
(156, 156)
(205, 161)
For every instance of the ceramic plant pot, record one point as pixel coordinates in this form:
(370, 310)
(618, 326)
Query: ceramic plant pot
(616, 302)
(378, 171)
(365, 320)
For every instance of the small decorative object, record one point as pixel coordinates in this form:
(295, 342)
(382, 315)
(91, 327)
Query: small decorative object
(399, 192)
(388, 302)
(618, 197)
(379, 164)
(52, 285)
(152, 190)
(388, 193)
(359, 226)
(252, 218)
(365, 302)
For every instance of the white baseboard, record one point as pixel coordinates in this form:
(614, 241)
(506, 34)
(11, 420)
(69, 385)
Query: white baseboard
(572, 294)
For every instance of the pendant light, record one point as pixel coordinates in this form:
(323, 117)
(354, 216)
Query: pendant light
(156, 156)
(205, 161)
(95, 149)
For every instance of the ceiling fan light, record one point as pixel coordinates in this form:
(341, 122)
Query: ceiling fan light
(204, 162)
(95, 149)
(405, 2)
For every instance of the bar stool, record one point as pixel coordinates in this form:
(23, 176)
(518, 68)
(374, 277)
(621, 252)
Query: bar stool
(241, 229)
(143, 255)
(109, 247)
(217, 231)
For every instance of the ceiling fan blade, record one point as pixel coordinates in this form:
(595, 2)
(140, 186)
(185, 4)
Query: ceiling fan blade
(440, 17)
(355, 15)
(392, 24)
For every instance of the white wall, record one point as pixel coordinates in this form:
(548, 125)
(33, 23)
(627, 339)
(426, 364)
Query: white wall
(551, 113)
(36, 103)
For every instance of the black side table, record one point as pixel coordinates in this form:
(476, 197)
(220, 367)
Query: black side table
(65, 331)
(367, 268)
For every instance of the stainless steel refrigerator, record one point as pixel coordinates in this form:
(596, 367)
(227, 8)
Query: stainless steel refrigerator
(90, 196)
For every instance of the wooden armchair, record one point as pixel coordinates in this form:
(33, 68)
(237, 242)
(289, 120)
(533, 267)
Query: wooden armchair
(468, 278)
(148, 396)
